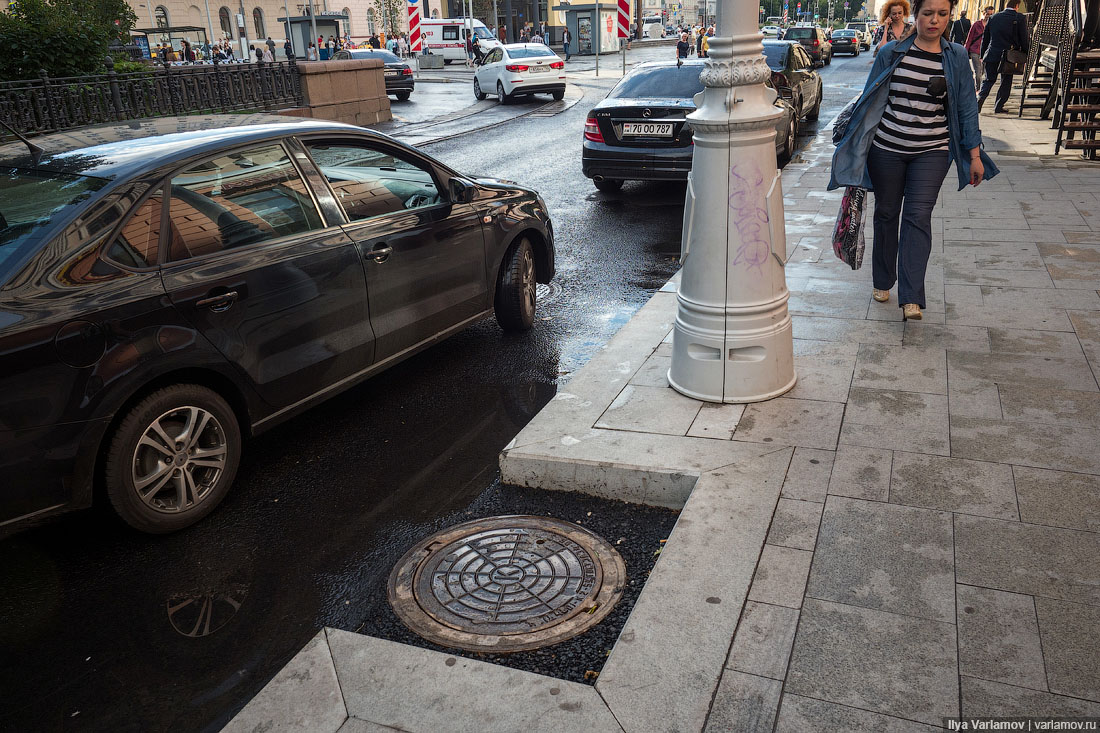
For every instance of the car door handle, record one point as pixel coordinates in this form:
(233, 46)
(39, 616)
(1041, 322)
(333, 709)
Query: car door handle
(218, 303)
(381, 252)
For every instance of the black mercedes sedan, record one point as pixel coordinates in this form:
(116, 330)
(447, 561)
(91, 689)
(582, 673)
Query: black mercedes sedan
(640, 131)
(170, 287)
(397, 72)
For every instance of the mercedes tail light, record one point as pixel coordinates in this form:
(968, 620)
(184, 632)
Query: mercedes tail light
(557, 65)
(407, 71)
(592, 130)
(517, 67)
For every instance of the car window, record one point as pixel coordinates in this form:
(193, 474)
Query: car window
(371, 182)
(494, 56)
(29, 200)
(775, 54)
(799, 34)
(238, 199)
(363, 53)
(529, 53)
(136, 243)
(680, 82)
(802, 60)
(450, 33)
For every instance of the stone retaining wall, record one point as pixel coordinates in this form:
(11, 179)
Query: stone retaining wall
(352, 91)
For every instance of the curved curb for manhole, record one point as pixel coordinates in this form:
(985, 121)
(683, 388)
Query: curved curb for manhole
(506, 584)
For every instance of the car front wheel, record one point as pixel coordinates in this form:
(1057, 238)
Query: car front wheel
(514, 305)
(172, 459)
(478, 94)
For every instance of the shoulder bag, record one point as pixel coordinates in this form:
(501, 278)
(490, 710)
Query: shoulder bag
(1014, 59)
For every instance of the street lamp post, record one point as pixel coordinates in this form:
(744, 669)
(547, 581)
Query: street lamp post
(732, 341)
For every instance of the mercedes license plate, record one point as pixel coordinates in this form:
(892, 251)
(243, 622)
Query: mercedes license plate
(652, 129)
(392, 72)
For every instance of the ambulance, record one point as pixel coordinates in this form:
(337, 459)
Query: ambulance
(444, 36)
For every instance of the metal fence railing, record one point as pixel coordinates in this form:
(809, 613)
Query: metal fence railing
(60, 103)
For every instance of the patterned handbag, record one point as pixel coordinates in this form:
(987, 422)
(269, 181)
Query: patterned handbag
(848, 242)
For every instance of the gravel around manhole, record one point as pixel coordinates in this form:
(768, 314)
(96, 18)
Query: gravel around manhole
(634, 530)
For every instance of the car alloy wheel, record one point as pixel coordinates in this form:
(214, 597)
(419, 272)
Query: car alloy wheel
(478, 94)
(172, 458)
(501, 96)
(179, 458)
(514, 305)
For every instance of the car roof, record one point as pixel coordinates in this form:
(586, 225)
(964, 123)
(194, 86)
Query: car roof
(123, 149)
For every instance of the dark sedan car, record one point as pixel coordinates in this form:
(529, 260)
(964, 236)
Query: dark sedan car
(169, 287)
(640, 132)
(847, 41)
(794, 77)
(398, 73)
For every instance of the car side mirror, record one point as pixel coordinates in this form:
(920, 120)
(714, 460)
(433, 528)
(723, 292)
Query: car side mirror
(462, 192)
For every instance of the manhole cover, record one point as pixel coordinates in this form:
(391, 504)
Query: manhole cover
(506, 584)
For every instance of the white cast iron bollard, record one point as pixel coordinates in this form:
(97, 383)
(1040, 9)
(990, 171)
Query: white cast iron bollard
(733, 341)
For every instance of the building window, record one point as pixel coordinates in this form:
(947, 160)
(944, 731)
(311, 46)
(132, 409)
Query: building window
(226, 22)
(161, 15)
(347, 23)
(258, 22)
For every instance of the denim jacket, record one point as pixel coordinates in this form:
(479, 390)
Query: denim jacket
(850, 158)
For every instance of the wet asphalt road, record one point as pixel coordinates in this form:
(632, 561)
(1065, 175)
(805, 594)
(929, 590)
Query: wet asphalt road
(103, 629)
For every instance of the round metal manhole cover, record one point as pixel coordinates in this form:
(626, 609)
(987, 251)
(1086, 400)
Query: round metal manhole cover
(506, 584)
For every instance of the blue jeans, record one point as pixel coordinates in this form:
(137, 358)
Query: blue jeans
(906, 187)
(565, 47)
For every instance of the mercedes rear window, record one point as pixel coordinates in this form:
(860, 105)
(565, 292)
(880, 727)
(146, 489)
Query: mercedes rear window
(678, 82)
(386, 56)
(29, 200)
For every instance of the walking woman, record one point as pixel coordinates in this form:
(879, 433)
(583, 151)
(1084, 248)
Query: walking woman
(916, 115)
(894, 18)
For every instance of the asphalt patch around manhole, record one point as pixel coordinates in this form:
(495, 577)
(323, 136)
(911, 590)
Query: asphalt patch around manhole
(635, 531)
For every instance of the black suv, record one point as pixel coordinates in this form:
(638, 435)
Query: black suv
(814, 40)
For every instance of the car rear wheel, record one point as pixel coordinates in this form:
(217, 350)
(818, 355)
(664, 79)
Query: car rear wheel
(172, 459)
(514, 305)
(608, 185)
(504, 98)
(788, 148)
(478, 94)
(559, 94)
(403, 96)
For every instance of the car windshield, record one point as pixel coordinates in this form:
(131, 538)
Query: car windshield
(29, 200)
(386, 56)
(844, 34)
(797, 34)
(681, 82)
(529, 53)
(776, 56)
(482, 33)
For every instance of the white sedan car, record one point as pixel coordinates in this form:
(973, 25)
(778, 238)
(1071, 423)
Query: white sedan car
(518, 69)
(771, 31)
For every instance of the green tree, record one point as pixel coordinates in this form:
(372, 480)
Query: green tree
(388, 15)
(64, 37)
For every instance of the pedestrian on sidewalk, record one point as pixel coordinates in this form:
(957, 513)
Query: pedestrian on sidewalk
(683, 47)
(974, 45)
(1007, 29)
(288, 49)
(960, 28)
(893, 17)
(566, 37)
(916, 115)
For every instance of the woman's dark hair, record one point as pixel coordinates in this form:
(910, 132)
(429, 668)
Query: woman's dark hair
(918, 3)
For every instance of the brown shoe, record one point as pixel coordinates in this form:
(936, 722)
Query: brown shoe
(910, 312)
(880, 295)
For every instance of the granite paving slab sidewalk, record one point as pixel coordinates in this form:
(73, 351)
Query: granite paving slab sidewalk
(911, 534)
